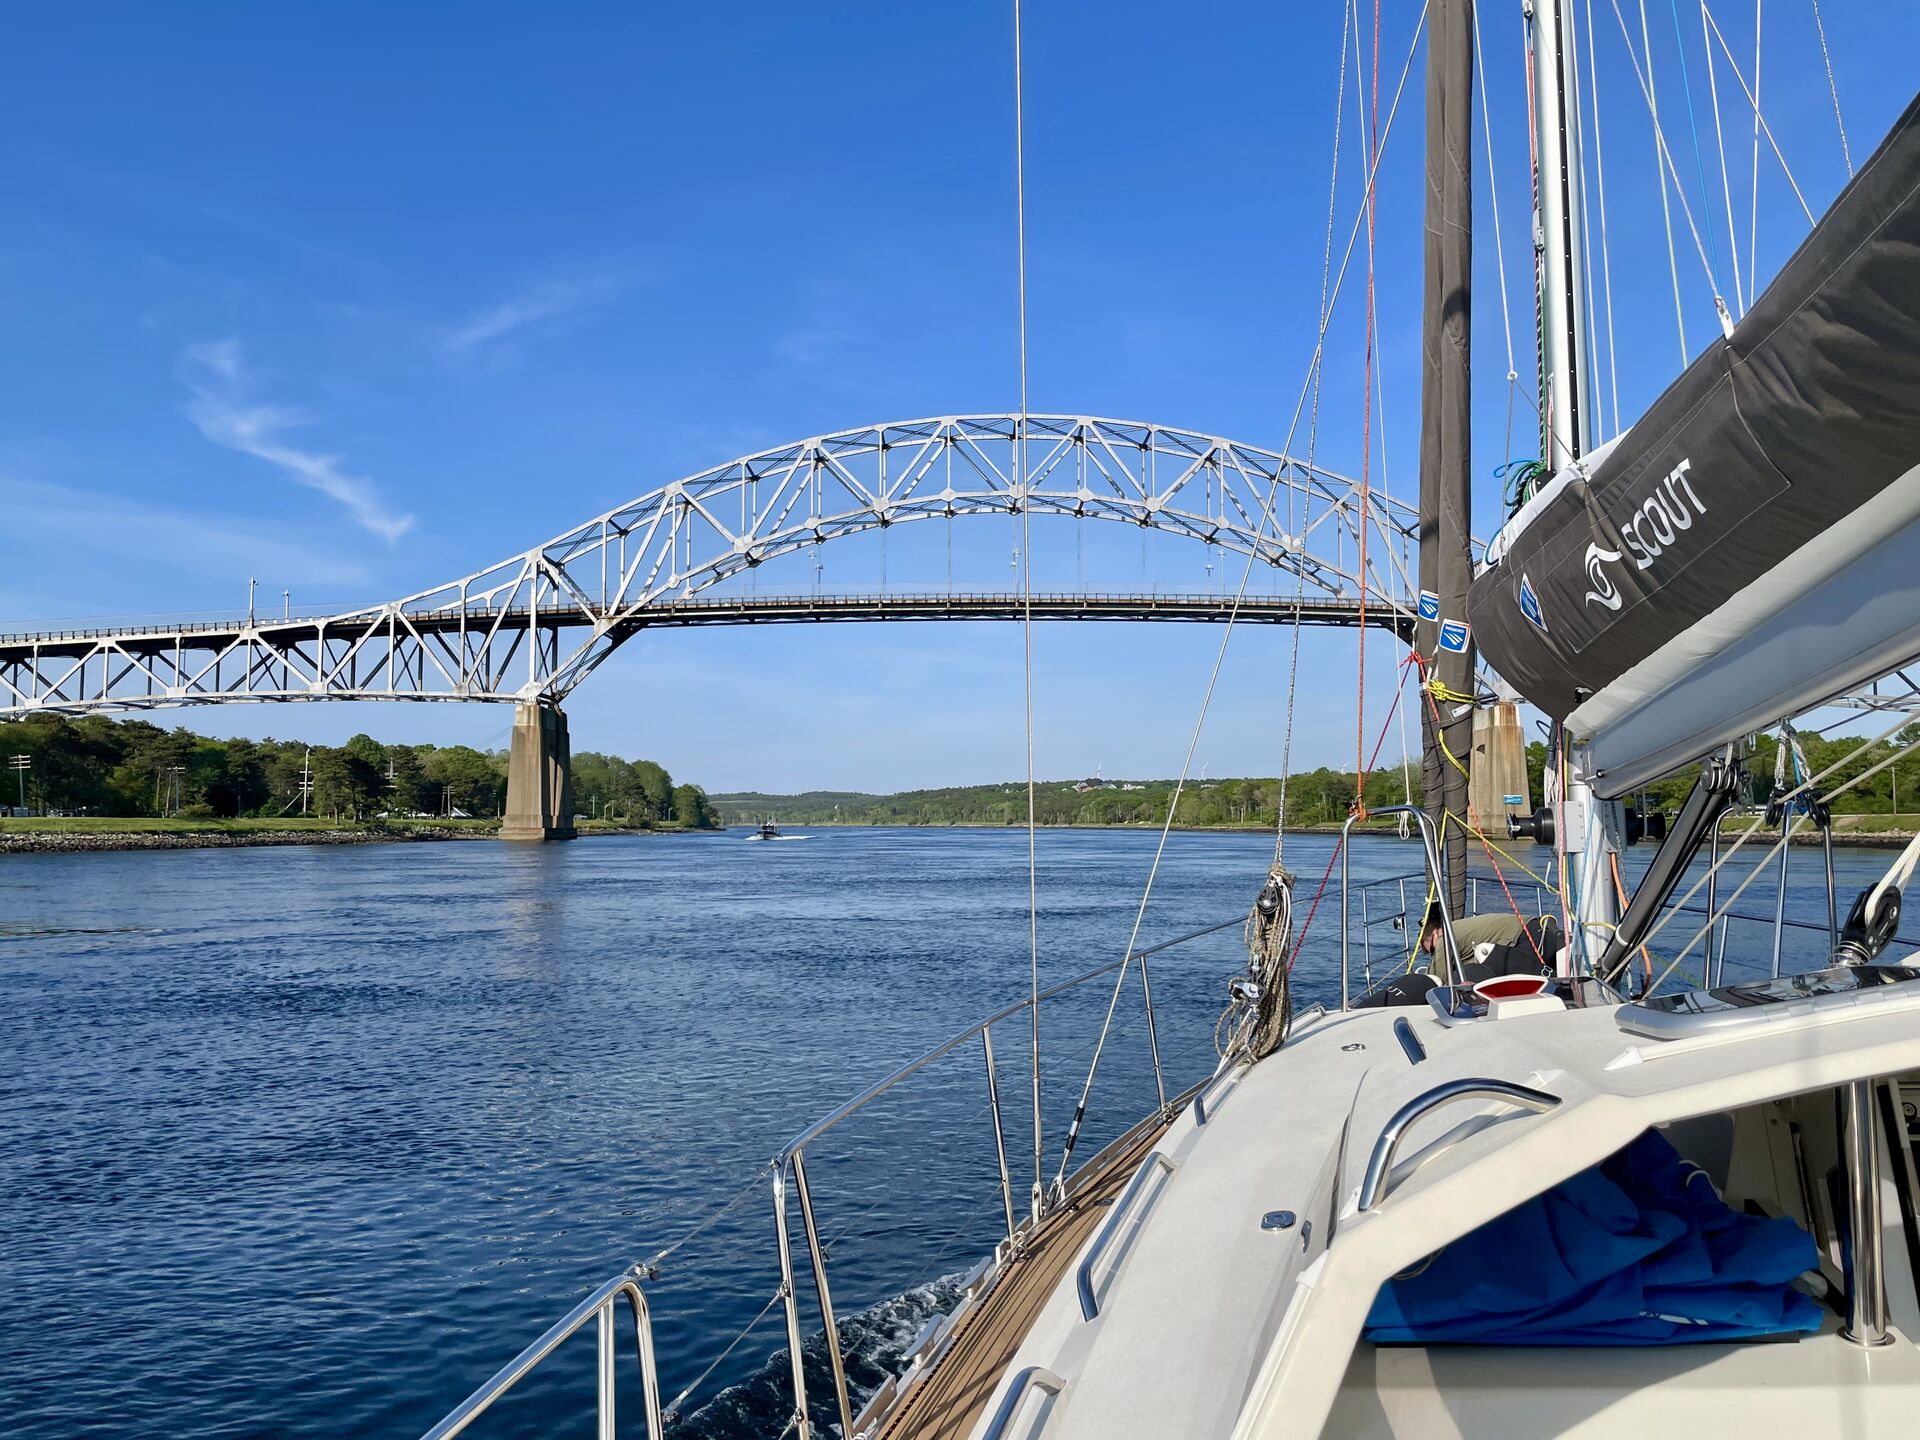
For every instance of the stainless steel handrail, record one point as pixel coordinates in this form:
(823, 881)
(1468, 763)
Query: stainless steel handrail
(599, 1306)
(1034, 1377)
(1201, 1114)
(1083, 1279)
(1409, 1042)
(1431, 846)
(1373, 1187)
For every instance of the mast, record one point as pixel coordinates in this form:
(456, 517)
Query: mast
(1446, 562)
(1560, 260)
(1591, 830)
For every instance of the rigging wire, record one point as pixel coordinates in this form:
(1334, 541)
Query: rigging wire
(1269, 926)
(1659, 153)
(1666, 153)
(1827, 57)
(1606, 247)
(1590, 402)
(1753, 183)
(1026, 595)
(1366, 436)
(1266, 516)
(1759, 118)
(1699, 169)
(1720, 155)
(1499, 248)
(1313, 441)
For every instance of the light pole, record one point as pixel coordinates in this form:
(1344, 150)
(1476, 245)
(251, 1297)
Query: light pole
(251, 582)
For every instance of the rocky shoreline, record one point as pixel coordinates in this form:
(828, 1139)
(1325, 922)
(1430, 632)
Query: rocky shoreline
(27, 842)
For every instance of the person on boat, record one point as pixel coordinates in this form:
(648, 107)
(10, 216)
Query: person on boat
(1490, 946)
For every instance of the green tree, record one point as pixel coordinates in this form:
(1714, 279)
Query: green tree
(473, 781)
(691, 808)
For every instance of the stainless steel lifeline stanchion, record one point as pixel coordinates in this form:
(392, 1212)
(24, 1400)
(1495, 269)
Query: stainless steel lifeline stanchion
(1866, 1271)
(599, 1307)
(1714, 968)
(1780, 901)
(818, 1253)
(999, 1134)
(792, 1298)
(1431, 846)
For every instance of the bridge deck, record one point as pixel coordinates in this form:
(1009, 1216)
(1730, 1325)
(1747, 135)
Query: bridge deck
(743, 610)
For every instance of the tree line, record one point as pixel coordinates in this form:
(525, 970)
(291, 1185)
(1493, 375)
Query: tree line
(1894, 790)
(1314, 797)
(98, 765)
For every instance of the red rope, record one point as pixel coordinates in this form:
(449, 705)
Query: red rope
(1333, 859)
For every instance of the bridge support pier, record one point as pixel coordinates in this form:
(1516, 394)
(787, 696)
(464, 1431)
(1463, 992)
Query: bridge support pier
(539, 776)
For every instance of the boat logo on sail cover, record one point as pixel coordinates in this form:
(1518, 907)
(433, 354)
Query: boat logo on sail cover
(1530, 603)
(1668, 512)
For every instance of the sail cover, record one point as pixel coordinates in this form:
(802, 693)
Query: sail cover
(1638, 1250)
(1752, 546)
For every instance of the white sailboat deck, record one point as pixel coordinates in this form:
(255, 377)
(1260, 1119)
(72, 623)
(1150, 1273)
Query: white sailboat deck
(1214, 1315)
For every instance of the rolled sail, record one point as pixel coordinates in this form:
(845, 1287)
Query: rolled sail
(1752, 546)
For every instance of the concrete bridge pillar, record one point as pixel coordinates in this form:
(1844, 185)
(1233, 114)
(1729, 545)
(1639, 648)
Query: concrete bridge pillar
(539, 776)
(1498, 770)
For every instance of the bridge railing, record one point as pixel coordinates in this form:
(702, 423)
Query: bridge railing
(209, 622)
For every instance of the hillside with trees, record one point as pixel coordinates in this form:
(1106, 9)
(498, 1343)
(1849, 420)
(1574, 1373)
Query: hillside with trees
(1314, 797)
(100, 766)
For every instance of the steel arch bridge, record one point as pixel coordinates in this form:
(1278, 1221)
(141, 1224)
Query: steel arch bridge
(533, 626)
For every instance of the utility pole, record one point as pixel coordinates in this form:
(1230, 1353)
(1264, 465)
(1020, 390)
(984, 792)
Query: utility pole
(306, 780)
(166, 789)
(20, 764)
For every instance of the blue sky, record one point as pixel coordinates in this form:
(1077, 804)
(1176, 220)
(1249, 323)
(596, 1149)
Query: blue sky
(357, 298)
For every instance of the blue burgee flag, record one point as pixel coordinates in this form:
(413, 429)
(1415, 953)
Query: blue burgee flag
(1637, 1250)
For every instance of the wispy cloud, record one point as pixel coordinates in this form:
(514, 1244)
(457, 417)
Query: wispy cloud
(532, 309)
(148, 540)
(223, 408)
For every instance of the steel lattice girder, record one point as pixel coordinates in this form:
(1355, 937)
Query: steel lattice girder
(536, 624)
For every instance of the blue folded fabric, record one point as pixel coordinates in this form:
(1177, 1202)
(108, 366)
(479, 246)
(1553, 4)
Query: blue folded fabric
(1637, 1250)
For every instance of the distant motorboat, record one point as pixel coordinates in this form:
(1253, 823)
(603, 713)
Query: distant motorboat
(770, 831)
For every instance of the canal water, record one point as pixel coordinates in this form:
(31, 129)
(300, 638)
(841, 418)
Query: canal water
(308, 1141)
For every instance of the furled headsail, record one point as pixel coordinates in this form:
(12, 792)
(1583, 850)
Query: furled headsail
(1752, 546)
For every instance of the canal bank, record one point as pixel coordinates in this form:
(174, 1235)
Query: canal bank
(80, 836)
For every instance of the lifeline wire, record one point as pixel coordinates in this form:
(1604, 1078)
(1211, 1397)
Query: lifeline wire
(1785, 800)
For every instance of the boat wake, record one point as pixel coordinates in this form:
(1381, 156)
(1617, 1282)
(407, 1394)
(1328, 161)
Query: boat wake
(873, 1344)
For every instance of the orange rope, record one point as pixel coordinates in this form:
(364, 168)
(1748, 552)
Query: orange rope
(1366, 434)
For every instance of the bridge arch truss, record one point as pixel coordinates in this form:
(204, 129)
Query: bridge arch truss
(535, 625)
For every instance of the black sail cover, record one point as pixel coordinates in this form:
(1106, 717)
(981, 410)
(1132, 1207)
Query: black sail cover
(1776, 435)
